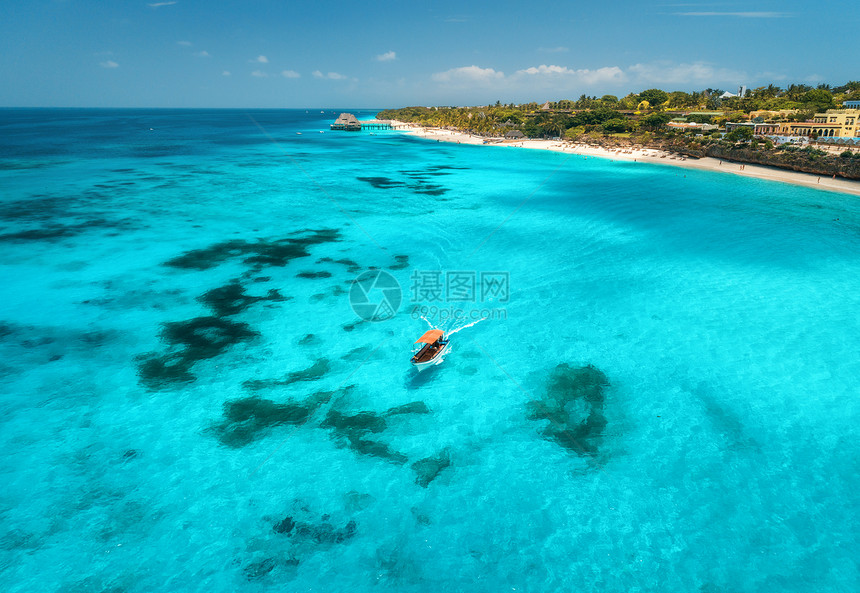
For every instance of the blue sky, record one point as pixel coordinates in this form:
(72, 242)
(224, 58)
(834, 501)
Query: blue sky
(267, 53)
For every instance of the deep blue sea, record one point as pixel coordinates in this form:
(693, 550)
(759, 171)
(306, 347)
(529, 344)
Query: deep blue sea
(663, 395)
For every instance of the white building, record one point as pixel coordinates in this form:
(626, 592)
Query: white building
(742, 90)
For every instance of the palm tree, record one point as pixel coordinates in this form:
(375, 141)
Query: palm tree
(795, 91)
(556, 124)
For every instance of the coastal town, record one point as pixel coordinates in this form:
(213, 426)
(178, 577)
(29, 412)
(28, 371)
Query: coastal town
(794, 113)
(815, 130)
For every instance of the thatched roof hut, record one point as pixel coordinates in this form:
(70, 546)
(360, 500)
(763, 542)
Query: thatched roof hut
(514, 135)
(346, 121)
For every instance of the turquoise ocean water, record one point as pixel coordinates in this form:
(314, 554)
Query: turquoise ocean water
(664, 397)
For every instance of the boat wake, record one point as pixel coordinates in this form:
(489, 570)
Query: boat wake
(462, 327)
(454, 327)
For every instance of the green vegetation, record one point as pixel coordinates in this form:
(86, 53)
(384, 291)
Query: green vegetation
(654, 96)
(642, 119)
(648, 111)
(740, 135)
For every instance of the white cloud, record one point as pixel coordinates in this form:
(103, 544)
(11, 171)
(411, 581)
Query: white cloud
(157, 4)
(290, 74)
(330, 75)
(558, 79)
(185, 43)
(684, 74)
(745, 15)
(604, 75)
(259, 74)
(202, 54)
(387, 56)
(260, 60)
(542, 77)
(464, 74)
(226, 73)
(109, 64)
(544, 69)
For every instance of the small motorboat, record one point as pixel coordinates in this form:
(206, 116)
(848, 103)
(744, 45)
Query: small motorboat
(429, 349)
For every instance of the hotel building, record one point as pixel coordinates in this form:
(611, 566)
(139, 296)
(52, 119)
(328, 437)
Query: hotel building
(834, 123)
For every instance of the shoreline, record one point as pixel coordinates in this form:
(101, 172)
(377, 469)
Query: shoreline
(645, 155)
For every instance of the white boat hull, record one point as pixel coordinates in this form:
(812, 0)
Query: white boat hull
(421, 366)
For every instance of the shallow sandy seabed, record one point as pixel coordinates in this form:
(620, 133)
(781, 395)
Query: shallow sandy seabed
(649, 155)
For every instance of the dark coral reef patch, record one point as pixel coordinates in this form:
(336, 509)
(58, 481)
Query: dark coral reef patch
(259, 254)
(189, 342)
(309, 340)
(429, 468)
(417, 407)
(303, 533)
(381, 182)
(205, 337)
(55, 231)
(354, 430)
(250, 418)
(362, 422)
(41, 208)
(317, 533)
(418, 181)
(316, 371)
(351, 266)
(574, 405)
(231, 299)
(402, 262)
(258, 569)
(314, 275)
(307, 530)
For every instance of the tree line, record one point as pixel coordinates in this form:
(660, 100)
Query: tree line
(641, 113)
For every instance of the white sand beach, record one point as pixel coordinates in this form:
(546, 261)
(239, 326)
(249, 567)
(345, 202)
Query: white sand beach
(646, 155)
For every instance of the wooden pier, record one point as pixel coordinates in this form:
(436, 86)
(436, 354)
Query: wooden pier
(377, 124)
(348, 122)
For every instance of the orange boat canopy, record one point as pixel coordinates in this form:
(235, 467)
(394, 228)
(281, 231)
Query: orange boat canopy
(430, 337)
